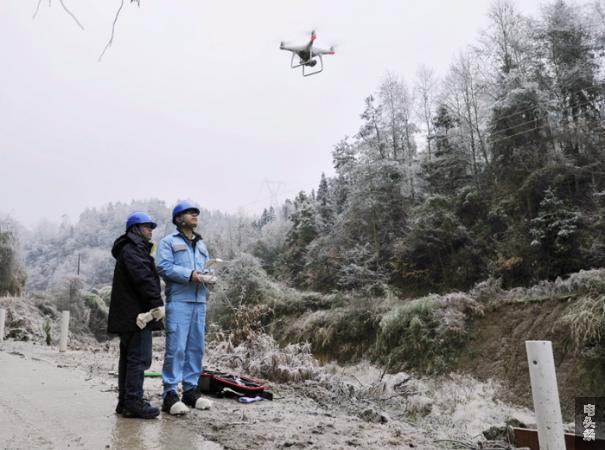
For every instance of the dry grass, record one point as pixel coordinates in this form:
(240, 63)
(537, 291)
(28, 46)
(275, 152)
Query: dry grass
(585, 321)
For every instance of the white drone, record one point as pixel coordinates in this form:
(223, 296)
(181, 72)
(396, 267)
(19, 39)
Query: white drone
(307, 55)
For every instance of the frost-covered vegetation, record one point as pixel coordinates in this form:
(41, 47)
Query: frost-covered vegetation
(12, 271)
(426, 333)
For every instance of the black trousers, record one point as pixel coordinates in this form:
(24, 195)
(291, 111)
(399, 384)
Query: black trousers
(135, 358)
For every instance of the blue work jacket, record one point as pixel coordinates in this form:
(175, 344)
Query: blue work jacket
(176, 260)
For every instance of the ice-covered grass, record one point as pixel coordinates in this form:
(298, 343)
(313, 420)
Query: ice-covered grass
(452, 407)
(582, 283)
(261, 357)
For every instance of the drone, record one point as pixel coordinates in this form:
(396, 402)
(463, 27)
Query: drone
(307, 56)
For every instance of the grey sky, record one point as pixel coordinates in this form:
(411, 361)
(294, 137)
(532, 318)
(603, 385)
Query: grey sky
(194, 99)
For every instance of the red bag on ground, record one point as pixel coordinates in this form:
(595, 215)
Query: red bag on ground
(223, 384)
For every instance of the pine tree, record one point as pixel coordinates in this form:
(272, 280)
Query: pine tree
(324, 204)
(447, 171)
(304, 230)
(554, 232)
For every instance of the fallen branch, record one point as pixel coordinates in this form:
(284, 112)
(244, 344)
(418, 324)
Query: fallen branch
(401, 383)
(360, 383)
(384, 370)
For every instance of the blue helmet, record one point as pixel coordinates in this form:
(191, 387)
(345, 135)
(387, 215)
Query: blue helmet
(139, 217)
(181, 207)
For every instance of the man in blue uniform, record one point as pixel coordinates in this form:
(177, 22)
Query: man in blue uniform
(181, 259)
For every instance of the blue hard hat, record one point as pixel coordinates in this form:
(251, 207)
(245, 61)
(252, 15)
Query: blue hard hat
(183, 206)
(139, 217)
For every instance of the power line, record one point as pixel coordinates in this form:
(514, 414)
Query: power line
(533, 120)
(522, 123)
(520, 133)
(536, 107)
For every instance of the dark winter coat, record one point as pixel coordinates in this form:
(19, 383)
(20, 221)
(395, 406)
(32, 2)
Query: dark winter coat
(136, 284)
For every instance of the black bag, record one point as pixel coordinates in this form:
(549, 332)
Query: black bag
(223, 384)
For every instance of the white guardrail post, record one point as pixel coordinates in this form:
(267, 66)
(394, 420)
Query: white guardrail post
(64, 331)
(2, 321)
(545, 395)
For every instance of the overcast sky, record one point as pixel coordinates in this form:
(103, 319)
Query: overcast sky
(194, 99)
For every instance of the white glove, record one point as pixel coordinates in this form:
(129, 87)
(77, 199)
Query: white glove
(158, 313)
(143, 319)
(208, 278)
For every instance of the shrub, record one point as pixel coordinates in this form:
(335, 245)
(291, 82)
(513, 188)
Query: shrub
(426, 333)
(244, 298)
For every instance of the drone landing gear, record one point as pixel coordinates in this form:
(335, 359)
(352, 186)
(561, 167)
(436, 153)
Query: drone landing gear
(308, 64)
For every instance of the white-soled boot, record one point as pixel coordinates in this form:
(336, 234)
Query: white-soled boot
(173, 405)
(194, 399)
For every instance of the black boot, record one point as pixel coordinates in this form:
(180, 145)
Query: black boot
(173, 405)
(194, 399)
(140, 409)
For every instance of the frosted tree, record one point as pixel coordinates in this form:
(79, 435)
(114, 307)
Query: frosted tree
(304, 230)
(344, 158)
(463, 97)
(569, 54)
(504, 43)
(555, 232)
(12, 272)
(425, 92)
(447, 172)
(396, 105)
(371, 134)
(438, 250)
(325, 204)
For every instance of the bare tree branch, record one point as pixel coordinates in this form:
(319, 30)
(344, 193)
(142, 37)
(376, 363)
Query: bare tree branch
(113, 29)
(37, 9)
(71, 14)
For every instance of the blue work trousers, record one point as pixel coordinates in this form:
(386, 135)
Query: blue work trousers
(185, 331)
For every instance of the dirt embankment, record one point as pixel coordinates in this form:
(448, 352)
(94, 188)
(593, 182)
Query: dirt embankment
(496, 349)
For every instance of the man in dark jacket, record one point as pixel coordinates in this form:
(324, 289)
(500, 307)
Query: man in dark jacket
(135, 310)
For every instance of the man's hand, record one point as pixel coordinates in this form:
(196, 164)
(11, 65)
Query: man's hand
(158, 313)
(196, 277)
(143, 319)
